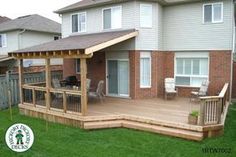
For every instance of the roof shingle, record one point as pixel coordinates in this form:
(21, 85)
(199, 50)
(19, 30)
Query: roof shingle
(31, 22)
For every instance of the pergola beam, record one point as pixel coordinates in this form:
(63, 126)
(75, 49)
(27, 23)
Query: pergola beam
(50, 54)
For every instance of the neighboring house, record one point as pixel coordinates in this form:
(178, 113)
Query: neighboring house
(28, 31)
(4, 19)
(190, 41)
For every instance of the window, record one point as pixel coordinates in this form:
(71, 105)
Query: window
(146, 15)
(79, 22)
(145, 69)
(3, 40)
(77, 66)
(191, 71)
(213, 13)
(112, 18)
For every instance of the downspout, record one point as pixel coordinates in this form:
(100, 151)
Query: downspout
(233, 50)
(19, 38)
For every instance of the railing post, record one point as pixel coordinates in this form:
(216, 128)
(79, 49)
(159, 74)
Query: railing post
(83, 79)
(202, 112)
(64, 102)
(34, 97)
(219, 109)
(48, 83)
(21, 79)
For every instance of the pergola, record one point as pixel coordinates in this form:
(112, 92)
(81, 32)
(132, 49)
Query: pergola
(78, 46)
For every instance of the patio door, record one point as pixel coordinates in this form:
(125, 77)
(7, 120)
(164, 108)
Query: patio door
(118, 78)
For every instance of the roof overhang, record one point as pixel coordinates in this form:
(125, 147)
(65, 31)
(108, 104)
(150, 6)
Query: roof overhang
(78, 46)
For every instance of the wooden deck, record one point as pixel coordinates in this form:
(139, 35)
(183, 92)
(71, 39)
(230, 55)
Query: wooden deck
(175, 110)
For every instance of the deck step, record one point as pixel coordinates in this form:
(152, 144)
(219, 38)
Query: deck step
(176, 132)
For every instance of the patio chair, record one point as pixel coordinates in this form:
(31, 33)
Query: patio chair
(57, 97)
(170, 89)
(99, 91)
(201, 92)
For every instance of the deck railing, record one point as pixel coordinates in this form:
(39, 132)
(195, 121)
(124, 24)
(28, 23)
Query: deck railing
(212, 107)
(62, 100)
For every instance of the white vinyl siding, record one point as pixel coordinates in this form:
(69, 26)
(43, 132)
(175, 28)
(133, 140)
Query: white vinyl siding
(3, 40)
(213, 12)
(191, 70)
(112, 17)
(146, 15)
(78, 22)
(145, 70)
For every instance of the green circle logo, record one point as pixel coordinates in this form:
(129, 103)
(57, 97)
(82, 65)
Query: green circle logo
(19, 137)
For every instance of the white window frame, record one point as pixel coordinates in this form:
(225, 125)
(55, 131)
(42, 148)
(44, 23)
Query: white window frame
(4, 45)
(111, 17)
(149, 56)
(78, 14)
(150, 5)
(76, 66)
(212, 14)
(191, 56)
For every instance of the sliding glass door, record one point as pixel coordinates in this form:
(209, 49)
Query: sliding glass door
(118, 77)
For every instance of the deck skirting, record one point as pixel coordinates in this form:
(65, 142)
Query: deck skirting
(186, 131)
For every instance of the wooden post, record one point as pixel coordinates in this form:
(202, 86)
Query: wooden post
(83, 79)
(219, 109)
(202, 112)
(34, 97)
(21, 79)
(64, 102)
(48, 83)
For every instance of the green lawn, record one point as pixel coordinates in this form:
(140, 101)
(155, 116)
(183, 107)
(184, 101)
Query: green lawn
(62, 140)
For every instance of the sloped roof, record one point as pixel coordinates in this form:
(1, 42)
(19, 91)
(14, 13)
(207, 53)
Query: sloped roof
(77, 41)
(86, 44)
(94, 3)
(32, 22)
(4, 19)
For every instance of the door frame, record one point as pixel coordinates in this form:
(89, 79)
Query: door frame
(107, 84)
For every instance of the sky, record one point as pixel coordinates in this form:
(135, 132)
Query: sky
(16, 8)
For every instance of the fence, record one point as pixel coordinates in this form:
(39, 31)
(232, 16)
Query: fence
(10, 82)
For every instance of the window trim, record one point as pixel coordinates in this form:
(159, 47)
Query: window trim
(76, 67)
(212, 13)
(150, 70)
(145, 4)
(78, 14)
(191, 56)
(119, 6)
(4, 46)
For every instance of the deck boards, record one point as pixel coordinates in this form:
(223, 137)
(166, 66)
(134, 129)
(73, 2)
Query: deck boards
(176, 110)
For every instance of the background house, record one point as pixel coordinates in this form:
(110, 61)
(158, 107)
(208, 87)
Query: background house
(28, 31)
(189, 41)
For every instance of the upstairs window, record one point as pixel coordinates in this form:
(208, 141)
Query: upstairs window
(3, 40)
(213, 13)
(112, 18)
(146, 15)
(79, 22)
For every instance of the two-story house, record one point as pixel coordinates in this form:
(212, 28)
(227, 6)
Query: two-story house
(188, 40)
(136, 44)
(28, 31)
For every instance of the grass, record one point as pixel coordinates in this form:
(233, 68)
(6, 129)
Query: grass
(61, 141)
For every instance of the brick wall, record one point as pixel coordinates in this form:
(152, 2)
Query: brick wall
(220, 70)
(96, 67)
(162, 67)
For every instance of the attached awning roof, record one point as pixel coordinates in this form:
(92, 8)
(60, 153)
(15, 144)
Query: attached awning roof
(75, 46)
(6, 61)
